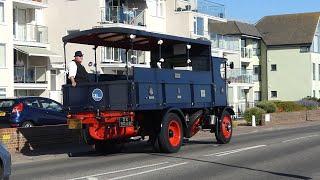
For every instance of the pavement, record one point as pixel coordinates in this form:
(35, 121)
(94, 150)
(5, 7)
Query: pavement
(67, 150)
(287, 151)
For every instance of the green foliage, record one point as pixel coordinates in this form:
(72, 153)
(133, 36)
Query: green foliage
(257, 112)
(288, 106)
(268, 106)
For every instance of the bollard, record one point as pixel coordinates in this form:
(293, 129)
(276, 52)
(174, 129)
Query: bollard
(253, 121)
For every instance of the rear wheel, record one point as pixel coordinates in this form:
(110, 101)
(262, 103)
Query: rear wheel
(224, 130)
(27, 124)
(171, 134)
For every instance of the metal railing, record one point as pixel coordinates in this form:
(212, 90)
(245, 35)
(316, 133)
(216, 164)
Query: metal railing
(246, 52)
(117, 14)
(207, 7)
(31, 33)
(240, 76)
(240, 107)
(32, 74)
(224, 42)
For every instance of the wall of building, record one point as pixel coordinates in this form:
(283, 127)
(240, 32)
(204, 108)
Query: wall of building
(6, 38)
(71, 15)
(293, 78)
(264, 72)
(315, 58)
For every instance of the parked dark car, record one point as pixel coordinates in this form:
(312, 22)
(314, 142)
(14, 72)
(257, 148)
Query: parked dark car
(31, 111)
(5, 163)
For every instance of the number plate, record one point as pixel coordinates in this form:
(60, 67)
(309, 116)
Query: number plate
(74, 124)
(2, 113)
(125, 122)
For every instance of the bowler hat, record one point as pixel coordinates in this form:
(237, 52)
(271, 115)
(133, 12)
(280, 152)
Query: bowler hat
(78, 53)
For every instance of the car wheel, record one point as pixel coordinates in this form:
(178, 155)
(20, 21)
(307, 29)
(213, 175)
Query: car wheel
(27, 124)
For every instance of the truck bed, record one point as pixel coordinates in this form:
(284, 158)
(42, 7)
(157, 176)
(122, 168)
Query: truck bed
(147, 89)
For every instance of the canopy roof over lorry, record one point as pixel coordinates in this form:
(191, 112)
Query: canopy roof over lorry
(120, 38)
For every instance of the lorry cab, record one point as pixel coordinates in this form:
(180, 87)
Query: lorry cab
(182, 92)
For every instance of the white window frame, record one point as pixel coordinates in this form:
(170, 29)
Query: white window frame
(4, 56)
(3, 92)
(3, 20)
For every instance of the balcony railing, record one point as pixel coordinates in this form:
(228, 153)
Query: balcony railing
(118, 56)
(116, 14)
(34, 74)
(207, 7)
(246, 52)
(31, 33)
(224, 42)
(240, 76)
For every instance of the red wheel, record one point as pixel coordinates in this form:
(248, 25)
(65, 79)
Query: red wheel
(224, 129)
(174, 133)
(171, 134)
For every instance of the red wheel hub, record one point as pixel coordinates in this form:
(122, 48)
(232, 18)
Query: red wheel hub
(174, 133)
(226, 126)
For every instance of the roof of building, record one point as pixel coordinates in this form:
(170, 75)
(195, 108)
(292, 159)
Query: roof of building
(289, 29)
(234, 28)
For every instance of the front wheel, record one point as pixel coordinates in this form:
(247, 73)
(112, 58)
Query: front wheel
(171, 134)
(224, 130)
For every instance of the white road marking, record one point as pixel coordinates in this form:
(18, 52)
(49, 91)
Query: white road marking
(305, 137)
(235, 151)
(149, 171)
(123, 170)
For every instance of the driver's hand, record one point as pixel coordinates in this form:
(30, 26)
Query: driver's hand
(74, 84)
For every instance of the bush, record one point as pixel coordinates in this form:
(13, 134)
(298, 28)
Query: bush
(268, 106)
(309, 103)
(288, 106)
(257, 112)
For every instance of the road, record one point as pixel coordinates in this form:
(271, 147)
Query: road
(279, 154)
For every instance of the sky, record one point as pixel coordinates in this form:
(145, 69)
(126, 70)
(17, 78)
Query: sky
(253, 10)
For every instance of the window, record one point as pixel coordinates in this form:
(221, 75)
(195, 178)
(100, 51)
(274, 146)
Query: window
(198, 26)
(314, 71)
(314, 93)
(3, 93)
(319, 71)
(106, 54)
(53, 80)
(50, 105)
(2, 55)
(1, 12)
(304, 49)
(273, 67)
(32, 103)
(257, 72)
(257, 96)
(256, 45)
(274, 94)
(156, 7)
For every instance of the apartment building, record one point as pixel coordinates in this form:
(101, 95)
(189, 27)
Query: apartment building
(291, 65)
(240, 43)
(24, 47)
(161, 16)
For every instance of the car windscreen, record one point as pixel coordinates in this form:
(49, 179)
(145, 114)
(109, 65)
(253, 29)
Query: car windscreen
(6, 103)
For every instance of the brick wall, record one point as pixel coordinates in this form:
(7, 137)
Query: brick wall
(290, 117)
(26, 140)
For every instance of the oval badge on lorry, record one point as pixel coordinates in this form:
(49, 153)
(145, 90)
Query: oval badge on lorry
(97, 94)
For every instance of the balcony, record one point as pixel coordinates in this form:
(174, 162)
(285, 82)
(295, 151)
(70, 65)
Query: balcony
(206, 7)
(116, 14)
(240, 76)
(31, 33)
(30, 75)
(229, 43)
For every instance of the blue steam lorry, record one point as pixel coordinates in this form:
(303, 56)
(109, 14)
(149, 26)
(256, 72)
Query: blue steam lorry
(183, 91)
